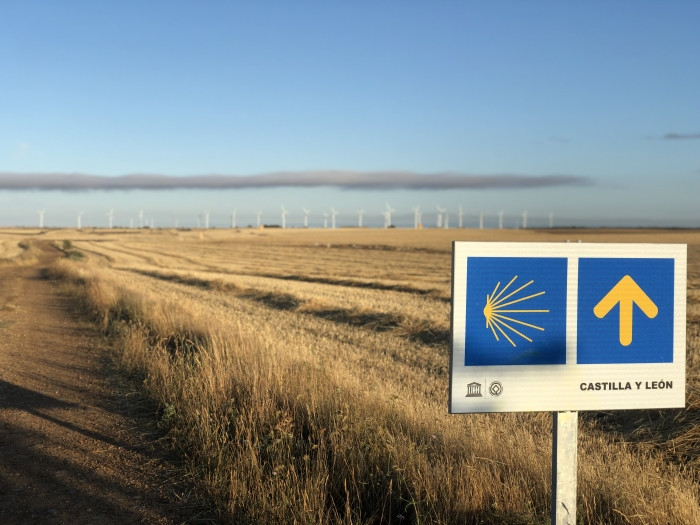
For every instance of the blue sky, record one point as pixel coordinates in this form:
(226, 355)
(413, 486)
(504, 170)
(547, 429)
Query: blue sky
(604, 91)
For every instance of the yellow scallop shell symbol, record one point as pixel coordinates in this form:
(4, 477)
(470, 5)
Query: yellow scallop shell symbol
(497, 305)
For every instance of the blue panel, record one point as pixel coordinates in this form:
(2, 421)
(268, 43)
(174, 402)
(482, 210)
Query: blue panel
(599, 338)
(516, 311)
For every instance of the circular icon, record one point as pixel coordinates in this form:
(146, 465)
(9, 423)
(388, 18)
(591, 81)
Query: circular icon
(495, 388)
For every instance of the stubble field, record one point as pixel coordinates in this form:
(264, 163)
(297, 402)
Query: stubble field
(303, 374)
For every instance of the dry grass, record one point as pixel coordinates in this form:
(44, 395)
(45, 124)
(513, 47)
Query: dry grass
(18, 251)
(9, 249)
(304, 377)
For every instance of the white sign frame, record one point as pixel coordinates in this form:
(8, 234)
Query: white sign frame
(570, 386)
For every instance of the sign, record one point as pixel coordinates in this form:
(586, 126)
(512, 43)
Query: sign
(565, 327)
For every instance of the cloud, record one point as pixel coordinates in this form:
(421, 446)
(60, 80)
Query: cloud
(682, 136)
(369, 180)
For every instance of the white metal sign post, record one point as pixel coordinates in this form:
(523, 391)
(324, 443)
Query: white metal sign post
(564, 464)
(567, 327)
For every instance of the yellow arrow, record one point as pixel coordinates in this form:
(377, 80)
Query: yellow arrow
(627, 293)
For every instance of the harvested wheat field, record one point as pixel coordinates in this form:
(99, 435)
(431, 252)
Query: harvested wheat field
(302, 375)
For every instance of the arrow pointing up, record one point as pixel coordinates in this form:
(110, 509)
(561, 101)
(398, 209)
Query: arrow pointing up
(627, 293)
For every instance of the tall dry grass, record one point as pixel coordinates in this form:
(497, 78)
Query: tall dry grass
(275, 437)
(22, 252)
(9, 249)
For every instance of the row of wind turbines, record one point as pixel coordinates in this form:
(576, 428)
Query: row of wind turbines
(442, 218)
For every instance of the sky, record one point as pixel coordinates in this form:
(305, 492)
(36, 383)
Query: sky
(563, 113)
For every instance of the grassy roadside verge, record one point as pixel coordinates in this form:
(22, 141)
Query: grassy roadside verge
(275, 439)
(23, 253)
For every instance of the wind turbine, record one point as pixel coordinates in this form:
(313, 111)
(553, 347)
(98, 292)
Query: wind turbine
(259, 214)
(440, 211)
(306, 217)
(284, 217)
(325, 219)
(387, 216)
(500, 220)
(446, 220)
(233, 219)
(551, 219)
(359, 218)
(140, 218)
(333, 214)
(41, 218)
(481, 220)
(206, 220)
(524, 219)
(460, 214)
(416, 217)
(111, 218)
(80, 214)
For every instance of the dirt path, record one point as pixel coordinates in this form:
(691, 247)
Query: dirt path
(71, 450)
